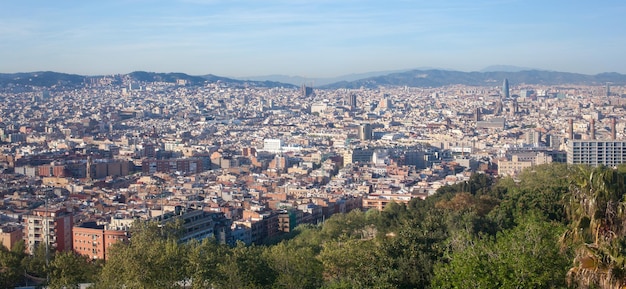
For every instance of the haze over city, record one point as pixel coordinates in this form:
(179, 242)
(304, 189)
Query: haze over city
(308, 38)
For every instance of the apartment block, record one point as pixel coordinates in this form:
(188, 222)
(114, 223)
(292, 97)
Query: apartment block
(52, 226)
(596, 152)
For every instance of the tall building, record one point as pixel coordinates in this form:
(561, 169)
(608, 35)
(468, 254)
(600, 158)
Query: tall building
(384, 103)
(52, 226)
(365, 131)
(596, 152)
(306, 91)
(352, 102)
(533, 137)
(505, 88)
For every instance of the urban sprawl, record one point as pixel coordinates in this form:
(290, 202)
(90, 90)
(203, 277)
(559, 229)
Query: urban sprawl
(241, 163)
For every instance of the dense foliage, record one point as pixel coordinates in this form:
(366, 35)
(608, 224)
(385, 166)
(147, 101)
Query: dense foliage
(556, 226)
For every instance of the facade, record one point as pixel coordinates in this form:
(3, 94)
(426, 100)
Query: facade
(10, 235)
(379, 201)
(273, 145)
(596, 152)
(521, 161)
(93, 239)
(199, 224)
(358, 156)
(151, 166)
(52, 226)
(494, 123)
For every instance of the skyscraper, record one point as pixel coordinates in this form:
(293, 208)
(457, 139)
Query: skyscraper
(505, 88)
(353, 102)
(365, 131)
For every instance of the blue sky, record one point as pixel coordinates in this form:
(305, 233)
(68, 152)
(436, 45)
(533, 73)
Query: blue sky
(319, 38)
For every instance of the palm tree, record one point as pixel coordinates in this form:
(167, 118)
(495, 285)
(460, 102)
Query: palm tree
(596, 208)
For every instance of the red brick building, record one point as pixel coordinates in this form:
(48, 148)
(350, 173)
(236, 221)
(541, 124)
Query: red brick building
(93, 240)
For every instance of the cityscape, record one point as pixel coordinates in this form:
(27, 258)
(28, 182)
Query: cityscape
(312, 144)
(242, 163)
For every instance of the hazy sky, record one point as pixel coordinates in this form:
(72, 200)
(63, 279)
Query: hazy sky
(317, 38)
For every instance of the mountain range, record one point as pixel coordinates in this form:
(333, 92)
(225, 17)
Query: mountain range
(438, 78)
(411, 78)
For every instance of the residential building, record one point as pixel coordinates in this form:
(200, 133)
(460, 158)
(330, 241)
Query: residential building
(52, 226)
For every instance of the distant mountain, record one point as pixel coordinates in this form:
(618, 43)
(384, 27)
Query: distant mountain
(199, 80)
(438, 78)
(320, 81)
(41, 78)
(412, 78)
(55, 79)
(505, 68)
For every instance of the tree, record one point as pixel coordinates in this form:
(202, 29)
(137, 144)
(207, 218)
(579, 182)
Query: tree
(596, 208)
(245, 267)
(527, 256)
(152, 258)
(69, 269)
(297, 267)
(11, 271)
(354, 263)
(203, 261)
(36, 264)
(346, 226)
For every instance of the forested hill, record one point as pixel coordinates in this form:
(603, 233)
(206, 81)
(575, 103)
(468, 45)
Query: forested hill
(558, 226)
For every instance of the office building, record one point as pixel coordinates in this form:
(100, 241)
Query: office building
(365, 131)
(505, 88)
(353, 102)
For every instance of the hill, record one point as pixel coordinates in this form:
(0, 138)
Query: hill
(55, 79)
(438, 78)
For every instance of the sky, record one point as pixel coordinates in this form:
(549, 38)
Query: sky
(317, 38)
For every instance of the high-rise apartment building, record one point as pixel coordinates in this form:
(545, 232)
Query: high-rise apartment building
(596, 152)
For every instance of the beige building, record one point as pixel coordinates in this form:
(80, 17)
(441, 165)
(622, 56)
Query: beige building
(521, 161)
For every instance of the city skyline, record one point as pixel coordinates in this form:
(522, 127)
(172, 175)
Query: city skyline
(308, 38)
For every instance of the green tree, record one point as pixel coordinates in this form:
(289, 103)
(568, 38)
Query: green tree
(354, 263)
(354, 224)
(245, 267)
(527, 256)
(69, 269)
(35, 265)
(152, 259)
(203, 261)
(11, 271)
(297, 267)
